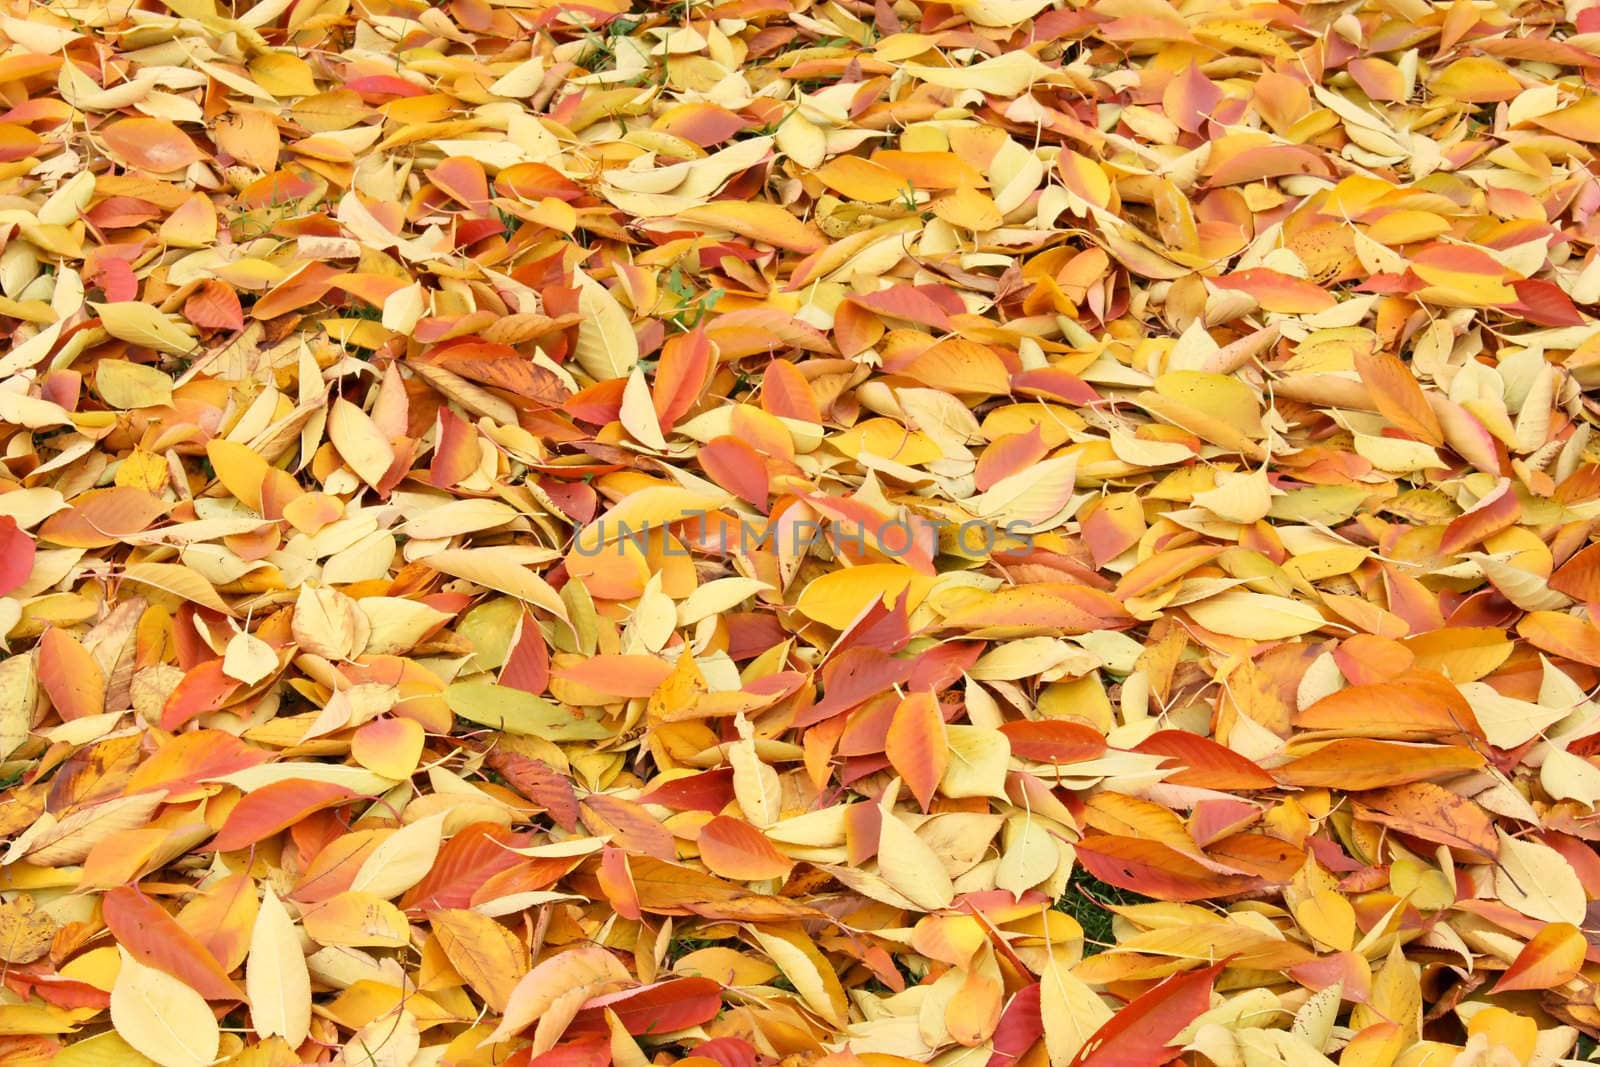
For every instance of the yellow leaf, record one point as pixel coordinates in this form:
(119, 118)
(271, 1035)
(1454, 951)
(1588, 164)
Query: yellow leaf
(1001, 12)
(755, 785)
(1328, 917)
(1246, 35)
(607, 347)
(1256, 616)
(401, 860)
(812, 975)
(248, 658)
(1029, 856)
(1071, 1011)
(1535, 880)
(1396, 997)
(143, 470)
(360, 443)
(275, 975)
(517, 712)
(836, 598)
(1568, 777)
(500, 568)
(283, 74)
(638, 415)
(583, 972)
(180, 581)
(969, 209)
(458, 517)
(483, 952)
(979, 760)
(327, 623)
(161, 1017)
(911, 867)
(1005, 75)
(390, 1041)
(142, 324)
(193, 224)
(357, 920)
(101, 1050)
(126, 386)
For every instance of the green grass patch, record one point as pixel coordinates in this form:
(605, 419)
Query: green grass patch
(1089, 900)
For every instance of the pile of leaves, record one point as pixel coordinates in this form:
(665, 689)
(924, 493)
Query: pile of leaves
(731, 532)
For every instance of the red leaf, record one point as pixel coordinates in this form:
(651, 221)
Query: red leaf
(381, 85)
(1543, 302)
(188, 758)
(1552, 958)
(1578, 578)
(590, 1050)
(630, 826)
(116, 279)
(1275, 291)
(527, 665)
(457, 452)
(738, 468)
(1055, 383)
(1021, 1025)
(1008, 455)
(709, 791)
(462, 178)
(675, 1004)
(728, 1051)
(616, 883)
(907, 302)
(540, 783)
(465, 862)
(1399, 398)
(1139, 1034)
(1498, 511)
(1054, 741)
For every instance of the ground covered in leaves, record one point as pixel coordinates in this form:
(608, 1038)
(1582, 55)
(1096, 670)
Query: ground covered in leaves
(769, 532)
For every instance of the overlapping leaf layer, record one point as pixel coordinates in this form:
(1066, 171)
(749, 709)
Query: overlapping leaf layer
(773, 532)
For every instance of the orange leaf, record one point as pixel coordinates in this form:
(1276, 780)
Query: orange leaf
(1552, 958)
(154, 938)
(1562, 635)
(734, 849)
(758, 220)
(71, 677)
(151, 144)
(1416, 705)
(274, 808)
(916, 745)
(1394, 389)
(462, 178)
(1154, 869)
(1365, 763)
